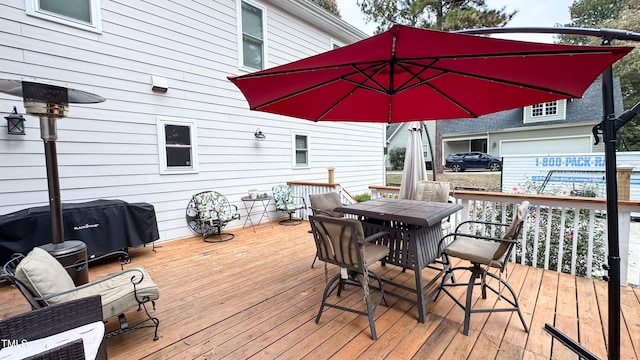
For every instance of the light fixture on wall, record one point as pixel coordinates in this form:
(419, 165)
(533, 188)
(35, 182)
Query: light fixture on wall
(494, 144)
(15, 123)
(259, 135)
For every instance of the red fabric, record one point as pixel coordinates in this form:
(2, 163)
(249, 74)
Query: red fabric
(436, 75)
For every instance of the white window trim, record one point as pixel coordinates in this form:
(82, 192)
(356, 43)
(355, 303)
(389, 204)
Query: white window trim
(33, 9)
(162, 154)
(528, 117)
(265, 46)
(295, 165)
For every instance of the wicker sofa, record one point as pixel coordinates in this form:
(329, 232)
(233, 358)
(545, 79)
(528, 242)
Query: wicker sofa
(23, 330)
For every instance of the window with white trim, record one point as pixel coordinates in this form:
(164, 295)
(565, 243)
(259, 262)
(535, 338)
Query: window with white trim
(300, 150)
(177, 146)
(335, 44)
(548, 111)
(252, 35)
(83, 14)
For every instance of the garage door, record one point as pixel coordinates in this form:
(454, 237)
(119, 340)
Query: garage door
(571, 145)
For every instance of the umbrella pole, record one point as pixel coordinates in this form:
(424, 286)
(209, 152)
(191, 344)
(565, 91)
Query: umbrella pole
(613, 263)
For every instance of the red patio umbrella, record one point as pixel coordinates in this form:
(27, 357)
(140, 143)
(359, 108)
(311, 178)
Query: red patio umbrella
(410, 74)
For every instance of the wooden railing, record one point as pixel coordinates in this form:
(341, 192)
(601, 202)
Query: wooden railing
(548, 234)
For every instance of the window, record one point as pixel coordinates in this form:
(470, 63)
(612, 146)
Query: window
(301, 150)
(84, 14)
(548, 111)
(177, 146)
(251, 39)
(335, 44)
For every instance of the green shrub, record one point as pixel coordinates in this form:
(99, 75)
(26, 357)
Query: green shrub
(396, 158)
(362, 197)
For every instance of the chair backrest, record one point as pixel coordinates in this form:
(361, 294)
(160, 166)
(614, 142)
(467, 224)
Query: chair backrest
(282, 195)
(212, 205)
(437, 191)
(337, 240)
(323, 204)
(512, 232)
(39, 274)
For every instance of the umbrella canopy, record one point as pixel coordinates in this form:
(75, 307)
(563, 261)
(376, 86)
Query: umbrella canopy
(410, 74)
(414, 166)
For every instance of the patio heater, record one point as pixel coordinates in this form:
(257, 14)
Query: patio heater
(50, 102)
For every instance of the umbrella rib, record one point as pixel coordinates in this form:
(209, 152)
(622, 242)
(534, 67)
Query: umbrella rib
(414, 75)
(334, 105)
(513, 83)
(369, 77)
(288, 96)
(511, 54)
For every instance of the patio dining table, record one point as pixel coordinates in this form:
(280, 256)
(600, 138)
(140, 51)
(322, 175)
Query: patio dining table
(415, 233)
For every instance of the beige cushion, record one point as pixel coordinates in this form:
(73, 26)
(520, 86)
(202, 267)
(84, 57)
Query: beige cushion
(492, 253)
(44, 274)
(117, 292)
(326, 202)
(476, 250)
(373, 253)
(341, 246)
(437, 191)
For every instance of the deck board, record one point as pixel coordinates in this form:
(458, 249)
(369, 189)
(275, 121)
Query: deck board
(257, 296)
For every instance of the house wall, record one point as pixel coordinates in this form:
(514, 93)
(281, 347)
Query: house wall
(110, 150)
(400, 137)
(550, 139)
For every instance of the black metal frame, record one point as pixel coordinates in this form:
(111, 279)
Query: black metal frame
(479, 272)
(8, 272)
(213, 228)
(608, 127)
(358, 275)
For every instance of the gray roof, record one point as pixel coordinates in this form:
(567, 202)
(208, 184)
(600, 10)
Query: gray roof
(586, 109)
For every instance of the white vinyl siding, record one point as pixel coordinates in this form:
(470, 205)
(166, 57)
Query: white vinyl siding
(569, 144)
(549, 111)
(252, 35)
(83, 14)
(177, 146)
(110, 150)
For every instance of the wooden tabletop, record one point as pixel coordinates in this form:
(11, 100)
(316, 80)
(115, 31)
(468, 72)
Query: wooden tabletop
(414, 212)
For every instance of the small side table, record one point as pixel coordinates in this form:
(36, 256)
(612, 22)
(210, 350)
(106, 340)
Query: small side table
(252, 209)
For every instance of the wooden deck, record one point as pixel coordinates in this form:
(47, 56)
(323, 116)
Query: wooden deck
(256, 297)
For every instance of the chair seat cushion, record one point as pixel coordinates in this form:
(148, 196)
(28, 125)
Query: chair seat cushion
(117, 292)
(373, 253)
(476, 250)
(291, 207)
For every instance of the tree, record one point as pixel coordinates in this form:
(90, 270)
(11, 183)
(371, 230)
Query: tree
(613, 14)
(444, 15)
(329, 5)
(396, 157)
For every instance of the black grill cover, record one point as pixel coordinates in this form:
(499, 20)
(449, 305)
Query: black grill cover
(104, 225)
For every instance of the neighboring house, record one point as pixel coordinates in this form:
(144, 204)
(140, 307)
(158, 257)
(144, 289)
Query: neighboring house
(559, 127)
(398, 135)
(143, 145)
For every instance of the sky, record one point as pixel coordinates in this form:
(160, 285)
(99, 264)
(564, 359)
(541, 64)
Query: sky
(538, 13)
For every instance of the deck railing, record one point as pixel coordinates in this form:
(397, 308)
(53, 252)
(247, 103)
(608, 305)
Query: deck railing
(562, 233)
(552, 225)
